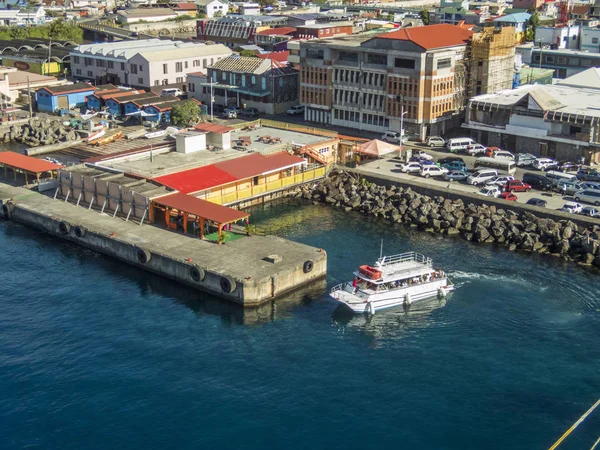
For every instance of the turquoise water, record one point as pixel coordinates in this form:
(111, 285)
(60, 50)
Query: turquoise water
(95, 354)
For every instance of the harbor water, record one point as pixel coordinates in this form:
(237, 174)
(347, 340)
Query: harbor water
(95, 354)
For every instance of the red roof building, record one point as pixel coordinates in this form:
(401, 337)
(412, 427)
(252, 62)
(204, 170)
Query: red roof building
(280, 57)
(432, 36)
(195, 180)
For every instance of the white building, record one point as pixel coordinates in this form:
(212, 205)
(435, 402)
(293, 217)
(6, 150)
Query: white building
(147, 15)
(558, 37)
(143, 63)
(590, 39)
(250, 9)
(212, 7)
(13, 17)
(554, 120)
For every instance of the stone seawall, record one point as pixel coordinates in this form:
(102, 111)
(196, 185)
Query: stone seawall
(476, 220)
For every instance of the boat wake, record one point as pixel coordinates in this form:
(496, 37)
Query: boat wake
(461, 278)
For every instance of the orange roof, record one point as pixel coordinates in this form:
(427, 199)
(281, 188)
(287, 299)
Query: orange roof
(431, 36)
(186, 6)
(279, 57)
(277, 31)
(199, 74)
(201, 208)
(212, 128)
(27, 163)
(257, 164)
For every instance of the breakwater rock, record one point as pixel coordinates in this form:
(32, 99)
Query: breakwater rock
(479, 223)
(38, 132)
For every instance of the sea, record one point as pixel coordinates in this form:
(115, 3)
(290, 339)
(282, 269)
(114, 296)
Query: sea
(95, 354)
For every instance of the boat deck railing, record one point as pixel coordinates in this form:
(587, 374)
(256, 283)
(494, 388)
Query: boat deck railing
(404, 257)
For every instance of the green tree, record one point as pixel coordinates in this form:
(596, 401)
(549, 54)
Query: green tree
(185, 114)
(264, 3)
(425, 16)
(532, 24)
(247, 53)
(218, 14)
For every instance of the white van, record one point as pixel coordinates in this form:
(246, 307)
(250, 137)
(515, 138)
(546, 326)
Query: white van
(555, 177)
(503, 154)
(543, 163)
(481, 176)
(456, 145)
(588, 196)
(171, 91)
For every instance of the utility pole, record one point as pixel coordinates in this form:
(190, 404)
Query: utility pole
(29, 97)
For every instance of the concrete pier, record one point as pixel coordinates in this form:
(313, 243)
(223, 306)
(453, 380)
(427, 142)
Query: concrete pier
(248, 271)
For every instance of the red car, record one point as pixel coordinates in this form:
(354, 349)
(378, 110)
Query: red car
(508, 196)
(517, 186)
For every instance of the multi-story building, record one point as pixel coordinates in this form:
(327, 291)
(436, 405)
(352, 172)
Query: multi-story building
(565, 63)
(143, 63)
(275, 39)
(247, 82)
(212, 8)
(236, 30)
(368, 83)
(555, 120)
(589, 40)
(558, 37)
(325, 30)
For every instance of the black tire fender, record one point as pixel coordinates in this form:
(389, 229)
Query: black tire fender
(197, 273)
(143, 255)
(308, 266)
(8, 209)
(64, 227)
(228, 284)
(79, 231)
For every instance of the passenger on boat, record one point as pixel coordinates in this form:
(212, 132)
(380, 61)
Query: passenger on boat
(354, 285)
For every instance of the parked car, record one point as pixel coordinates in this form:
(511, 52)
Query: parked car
(249, 112)
(450, 159)
(588, 175)
(508, 196)
(590, 185)
(537, 202)
(295, 110)
(455, 175)
(517, 186)
(572, 207)
(435, 141)
(588, 196)
(229, 113)
(421, 154)
(481, 176)
(590, 211)
(500, 180)
(544, 164)
(524, 159)
(171, 91)
(393, 137)
(537, 181)
(456, 165)
(490, 191)
(410, 167)
(476, 149)
(497, 153)
(566, 186)
(432, 171)
(565, 166)
(456, 145)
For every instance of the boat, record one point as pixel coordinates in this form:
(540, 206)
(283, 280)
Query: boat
(108, 139)
(392, 281)
(97, 135)
(155, 134)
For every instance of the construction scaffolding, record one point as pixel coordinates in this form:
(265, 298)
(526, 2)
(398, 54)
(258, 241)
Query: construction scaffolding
(492, 60)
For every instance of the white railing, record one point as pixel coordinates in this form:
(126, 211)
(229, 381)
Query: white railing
(404, 257)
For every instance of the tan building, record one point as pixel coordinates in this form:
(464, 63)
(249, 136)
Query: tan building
(367, 83)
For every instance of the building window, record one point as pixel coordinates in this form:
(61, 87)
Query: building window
(78, 71)
(444, 63)
(402, 63)
(373, 58)
(165, 68)
(585, 62)
(314, 53)
(122, 66)
(179, 80)
(348, 56)
(156, 82)
(573, 61)
(224, 76)
(110, 64)
(76, 58)
(90, 73)
(99, 63)
(88, 62)
(165, 81)
(594, 41)
(141, 68)
(186, 64)
(178, 67)
(134, 69)
(141, 80)
(574, 37)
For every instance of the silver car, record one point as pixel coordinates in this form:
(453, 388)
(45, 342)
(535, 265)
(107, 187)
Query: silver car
(455, 175)
(590, 211)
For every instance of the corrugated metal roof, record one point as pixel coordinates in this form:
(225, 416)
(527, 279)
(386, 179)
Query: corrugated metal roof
(195, 180)
(186, 52)
(431, 36)
(68, 88)
(201, 208)
(243, 64)
(212, 128)
(257, 164)
(27, 163)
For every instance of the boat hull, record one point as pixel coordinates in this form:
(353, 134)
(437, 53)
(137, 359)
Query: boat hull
(360, 303)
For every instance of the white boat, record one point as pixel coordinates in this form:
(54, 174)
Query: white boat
(155, 134)
(393, 281)
(96, 135)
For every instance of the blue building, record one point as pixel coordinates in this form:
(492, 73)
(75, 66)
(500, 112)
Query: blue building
(52, 99)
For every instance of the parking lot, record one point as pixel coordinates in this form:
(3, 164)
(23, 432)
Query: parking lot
(390, 165)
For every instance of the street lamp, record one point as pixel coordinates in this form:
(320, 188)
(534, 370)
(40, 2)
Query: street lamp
(541, 48)
(400, 99)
